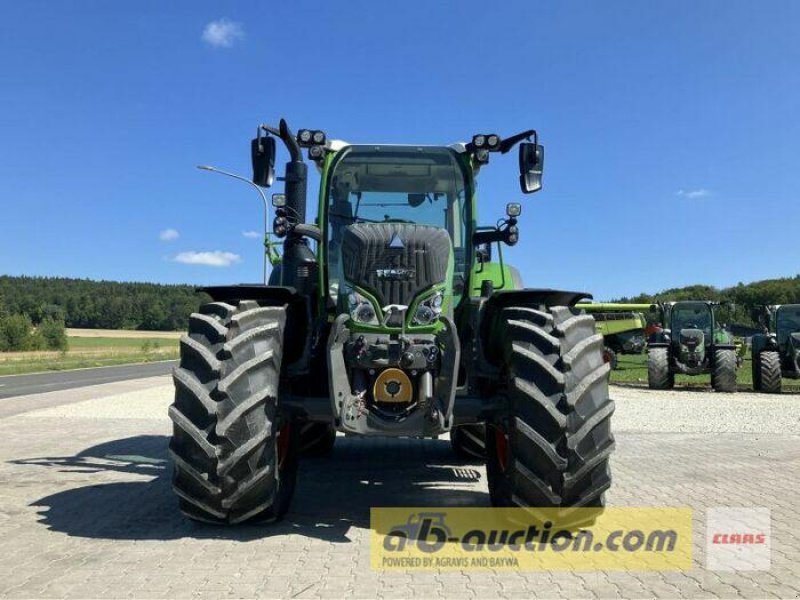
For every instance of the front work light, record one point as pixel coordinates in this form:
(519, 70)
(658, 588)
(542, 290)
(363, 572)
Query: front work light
(304, 136)
(316, 152)
(486, 141)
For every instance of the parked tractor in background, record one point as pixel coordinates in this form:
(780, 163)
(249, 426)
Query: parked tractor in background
(776, 353)
(693, 342)
(388, 317)
(622, 327)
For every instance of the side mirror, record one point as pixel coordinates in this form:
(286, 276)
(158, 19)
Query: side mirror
(262, 153)
(531, 165)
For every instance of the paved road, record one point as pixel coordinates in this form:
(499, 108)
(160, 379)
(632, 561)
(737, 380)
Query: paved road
(23, 385)
(86, 508)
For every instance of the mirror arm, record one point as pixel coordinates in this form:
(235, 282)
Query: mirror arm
(309, 231)
(508, 143)
(285, 135)
(495, 235)
(487, 237)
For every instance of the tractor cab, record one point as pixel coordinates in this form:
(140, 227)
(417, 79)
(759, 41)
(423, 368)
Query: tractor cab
(692, 325)
(406, 208)
(787, 325)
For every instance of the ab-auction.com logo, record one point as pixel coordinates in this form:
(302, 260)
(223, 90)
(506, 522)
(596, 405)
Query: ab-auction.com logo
(515, 538)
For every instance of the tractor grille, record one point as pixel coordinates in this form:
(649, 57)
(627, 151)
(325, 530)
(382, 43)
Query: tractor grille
(691, 337)
(395, 261)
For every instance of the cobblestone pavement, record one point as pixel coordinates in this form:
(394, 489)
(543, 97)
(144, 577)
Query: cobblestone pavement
(86, 508)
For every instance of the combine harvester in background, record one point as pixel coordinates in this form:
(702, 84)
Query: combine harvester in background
(622, 327)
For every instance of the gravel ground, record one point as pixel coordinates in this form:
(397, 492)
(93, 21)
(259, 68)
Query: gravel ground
(150, 402)
(87, 510)
(683, 411)
(638, 410)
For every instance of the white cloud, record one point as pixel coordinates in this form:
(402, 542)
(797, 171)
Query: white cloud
(692, 194)
(217, 258)
(251, 234)
(168, 235)
(222, 33)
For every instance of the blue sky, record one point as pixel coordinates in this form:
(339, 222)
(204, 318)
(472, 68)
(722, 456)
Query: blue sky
(671, 128)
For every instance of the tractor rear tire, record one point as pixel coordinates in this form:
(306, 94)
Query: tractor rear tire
(551, 446)
(659, 376)
(770, 372)
(316, 439)
(234, 453)
(469, 442)
(723, 374)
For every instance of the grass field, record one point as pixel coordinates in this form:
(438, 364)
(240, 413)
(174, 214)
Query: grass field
(101, 348)
(632, 369)
(107, 349)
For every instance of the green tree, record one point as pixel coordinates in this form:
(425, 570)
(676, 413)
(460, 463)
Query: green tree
(15, 333)
(54, 334)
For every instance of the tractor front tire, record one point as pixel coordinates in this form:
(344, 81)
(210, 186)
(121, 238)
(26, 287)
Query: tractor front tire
(723, 375)
(755, 365)
(551, 446)
(770, 372)
(659, 376)
(234, 452)
(469, 442)
(611, 358)
(316, 439)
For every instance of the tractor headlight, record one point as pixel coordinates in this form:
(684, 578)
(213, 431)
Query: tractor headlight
(318, 137)
(479, 141)
(429, 310)
(493, 141)
(316, 152)
(482, 156)
(304, 136)
(361, 309)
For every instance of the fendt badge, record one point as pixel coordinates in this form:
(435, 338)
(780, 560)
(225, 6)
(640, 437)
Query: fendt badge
(398, 274)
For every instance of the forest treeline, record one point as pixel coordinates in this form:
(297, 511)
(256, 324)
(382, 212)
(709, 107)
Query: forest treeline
(744, 296)
(99, 304)
(152, 306)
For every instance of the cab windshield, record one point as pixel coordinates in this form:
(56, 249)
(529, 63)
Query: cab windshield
(692, 316)
(397, 184)
(788, 322)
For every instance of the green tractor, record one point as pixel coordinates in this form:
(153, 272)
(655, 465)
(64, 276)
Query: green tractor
(693, 343)
(388, 316)
(776, 353)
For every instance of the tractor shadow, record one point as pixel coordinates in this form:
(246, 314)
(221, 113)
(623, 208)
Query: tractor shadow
(333, 493)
